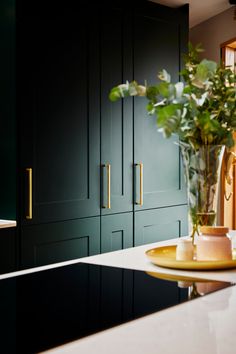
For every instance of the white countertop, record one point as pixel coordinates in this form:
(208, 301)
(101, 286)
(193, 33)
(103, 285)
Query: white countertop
(204, 325)
(7, 223)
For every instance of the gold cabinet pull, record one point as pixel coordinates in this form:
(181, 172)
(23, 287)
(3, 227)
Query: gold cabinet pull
(29, 215)
(108, 169)
(108, 186)
(140, 184)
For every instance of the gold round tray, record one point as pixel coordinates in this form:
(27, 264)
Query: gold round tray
(166, 257)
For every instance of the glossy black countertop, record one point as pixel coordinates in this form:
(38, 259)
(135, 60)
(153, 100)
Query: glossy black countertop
(45, 309)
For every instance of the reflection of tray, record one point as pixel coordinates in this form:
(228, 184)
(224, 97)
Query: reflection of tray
(177, 277)
(165, 257)
(202, 286)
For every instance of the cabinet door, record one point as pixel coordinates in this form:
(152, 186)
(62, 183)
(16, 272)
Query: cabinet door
(7, 111)
(8, 250)
(116, 118)
(59, 116)
(58, 242)
(116, 232)
(156, 46)
(160, 224)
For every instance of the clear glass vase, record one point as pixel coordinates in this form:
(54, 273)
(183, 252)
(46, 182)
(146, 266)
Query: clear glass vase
(202, 167)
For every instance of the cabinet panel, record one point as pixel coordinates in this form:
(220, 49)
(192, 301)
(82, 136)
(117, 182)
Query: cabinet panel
(160, 224)
(59, 112)
(58, 242)
(162, 176)
(68, 128)
(116, 232)
(7, 111)
(116, 294)
(116, 118)
(8, 250)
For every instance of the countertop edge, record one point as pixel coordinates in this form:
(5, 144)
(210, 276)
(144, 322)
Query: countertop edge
(7, 223)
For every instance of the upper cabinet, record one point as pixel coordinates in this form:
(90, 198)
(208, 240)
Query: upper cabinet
(86, 164)
(116, 119)
(59, 117)
(80, 154)
(157, 45)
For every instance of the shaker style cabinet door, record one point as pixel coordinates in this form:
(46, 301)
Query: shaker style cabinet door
(116, 232)
(60, 241)
(116, 117)
(157, 170)
(160, 224)
(59, 117)
(8, 250)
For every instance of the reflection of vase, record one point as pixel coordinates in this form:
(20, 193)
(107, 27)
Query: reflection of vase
(202, 171)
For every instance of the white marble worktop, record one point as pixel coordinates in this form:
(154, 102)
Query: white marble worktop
(204, 325)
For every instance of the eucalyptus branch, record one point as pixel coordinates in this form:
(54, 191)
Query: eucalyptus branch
(200, 110)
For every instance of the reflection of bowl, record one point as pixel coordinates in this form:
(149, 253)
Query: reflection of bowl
(184, 284)
(205, 288)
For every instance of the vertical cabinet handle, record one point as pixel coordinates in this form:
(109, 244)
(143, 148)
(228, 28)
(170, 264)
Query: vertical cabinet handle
(29, 215)
(108, 189)
(140, 202)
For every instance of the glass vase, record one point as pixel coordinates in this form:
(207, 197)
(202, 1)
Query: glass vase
(202, 167)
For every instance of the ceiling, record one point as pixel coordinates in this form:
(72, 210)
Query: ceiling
(199, 10)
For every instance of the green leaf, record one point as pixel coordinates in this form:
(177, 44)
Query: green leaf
(152, 93)
(114, 94)
(150, 108)
(205, 70)
(163, 88)
(165, 113)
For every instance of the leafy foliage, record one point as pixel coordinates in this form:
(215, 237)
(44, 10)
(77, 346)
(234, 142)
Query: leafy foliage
(201, 110)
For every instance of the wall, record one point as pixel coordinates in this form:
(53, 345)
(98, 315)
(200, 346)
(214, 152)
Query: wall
(213, 32)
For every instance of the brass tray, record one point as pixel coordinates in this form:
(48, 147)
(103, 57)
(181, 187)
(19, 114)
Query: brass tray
(166, 257)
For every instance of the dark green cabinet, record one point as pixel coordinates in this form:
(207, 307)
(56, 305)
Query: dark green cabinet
(155, 48)
(8, 250)
(7, 111)
(160, 224)
(116, 119)
(59, 117)
(116, 232)
(58, 242)
(80, 156)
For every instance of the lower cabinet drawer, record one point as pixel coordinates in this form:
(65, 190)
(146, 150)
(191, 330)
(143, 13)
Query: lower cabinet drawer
(57, 242)
(116, 232)
(61, 241)
(160, 224)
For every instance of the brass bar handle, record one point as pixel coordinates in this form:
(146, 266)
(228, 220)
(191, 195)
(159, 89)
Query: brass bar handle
(108, 186)
(29, 216)
(108, 169)
(140, 184)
